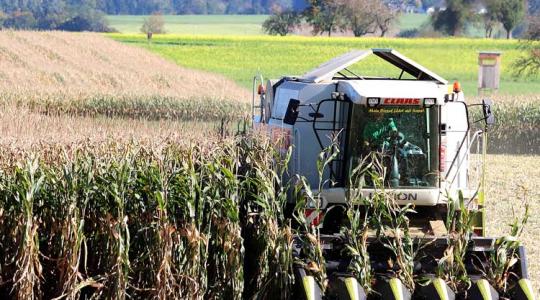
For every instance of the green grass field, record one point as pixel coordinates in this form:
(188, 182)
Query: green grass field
(248, 24)
(195, 24)
(241, 57)
(224, 24)
(412, 21)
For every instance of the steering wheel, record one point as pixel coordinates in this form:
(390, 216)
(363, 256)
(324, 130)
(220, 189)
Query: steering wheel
(394, 138)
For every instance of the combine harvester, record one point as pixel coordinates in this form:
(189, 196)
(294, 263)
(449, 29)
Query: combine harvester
(423, 128)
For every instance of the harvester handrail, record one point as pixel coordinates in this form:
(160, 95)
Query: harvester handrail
(253, 92)
(475, 135)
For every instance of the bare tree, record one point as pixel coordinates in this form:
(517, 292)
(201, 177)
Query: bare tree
(366, 16)
(529, 64)
(360, 16)
(154, 24)
(491, 16)
(384, 17)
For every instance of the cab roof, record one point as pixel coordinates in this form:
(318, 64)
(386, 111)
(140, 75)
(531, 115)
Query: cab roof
(358, 91)
(329, 69)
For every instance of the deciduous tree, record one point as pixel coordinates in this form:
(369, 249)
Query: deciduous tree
(360, 16)
(326, 16)
(154, 24)
(491, 16)
(384, 17)
(20, 20)
(368, 16)
(453, 18)
(511, 14)
(529, 64)
(282, 22)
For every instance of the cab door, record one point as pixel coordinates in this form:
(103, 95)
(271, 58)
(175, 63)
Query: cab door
(454, 144)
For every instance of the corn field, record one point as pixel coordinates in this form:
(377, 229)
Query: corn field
(91, 75)
(127, 106)
(183, 221)
(517, 119)
(89, 210)
(127, 221)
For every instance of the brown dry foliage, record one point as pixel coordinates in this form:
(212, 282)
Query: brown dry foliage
(22, 128)
(86, 64)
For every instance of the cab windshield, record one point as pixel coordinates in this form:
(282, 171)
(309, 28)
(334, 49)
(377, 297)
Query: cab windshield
(406, 138)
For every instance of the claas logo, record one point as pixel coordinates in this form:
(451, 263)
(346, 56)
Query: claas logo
(401, 101)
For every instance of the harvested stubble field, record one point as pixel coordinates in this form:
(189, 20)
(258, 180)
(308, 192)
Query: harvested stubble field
(511, 180)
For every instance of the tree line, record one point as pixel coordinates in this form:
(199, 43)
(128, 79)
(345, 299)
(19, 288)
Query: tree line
(89, 15)
(325, 16)
(363, 17)
(69, 15)
(147, 7)
(458, 13)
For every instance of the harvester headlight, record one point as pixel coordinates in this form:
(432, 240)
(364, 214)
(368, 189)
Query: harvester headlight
(372, 102)
(429, 102)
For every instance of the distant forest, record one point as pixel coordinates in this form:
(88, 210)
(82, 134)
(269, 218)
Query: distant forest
(146, 7)
(89, 15)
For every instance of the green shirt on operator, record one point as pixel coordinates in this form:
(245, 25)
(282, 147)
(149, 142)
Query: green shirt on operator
(378, 130)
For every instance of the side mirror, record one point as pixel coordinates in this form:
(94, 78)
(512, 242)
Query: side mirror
(292, 112)
(489, 118)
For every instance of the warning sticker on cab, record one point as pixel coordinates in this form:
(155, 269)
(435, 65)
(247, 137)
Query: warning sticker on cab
(396, 110)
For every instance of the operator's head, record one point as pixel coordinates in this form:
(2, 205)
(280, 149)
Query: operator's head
(378, 116)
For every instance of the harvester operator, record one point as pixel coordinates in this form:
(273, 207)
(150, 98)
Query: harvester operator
(376, 131)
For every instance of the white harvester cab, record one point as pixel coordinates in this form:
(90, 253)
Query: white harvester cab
(421, 129)
(423, 123)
